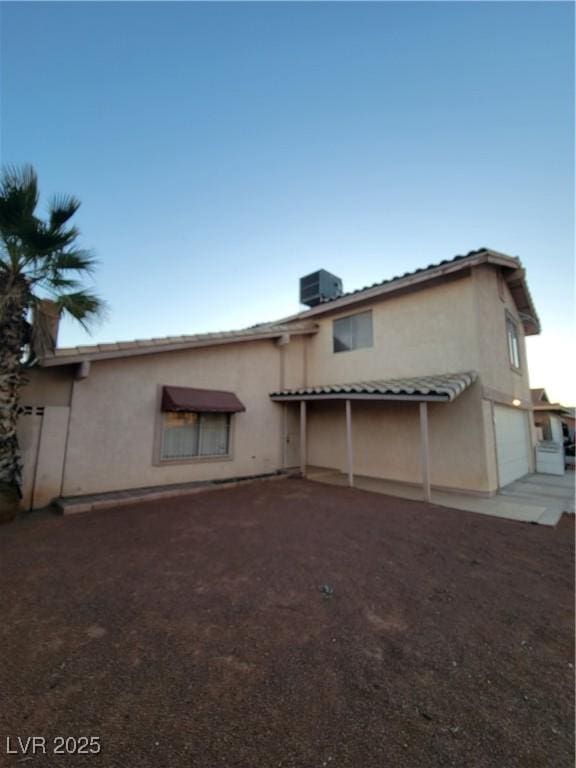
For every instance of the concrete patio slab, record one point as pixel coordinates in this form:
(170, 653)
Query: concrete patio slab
(538, 499)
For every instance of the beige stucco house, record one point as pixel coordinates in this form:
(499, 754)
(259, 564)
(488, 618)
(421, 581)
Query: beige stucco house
(420, 379)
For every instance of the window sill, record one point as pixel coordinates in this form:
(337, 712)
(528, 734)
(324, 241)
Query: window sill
(192, 460)
(517, 371)
(347, 351)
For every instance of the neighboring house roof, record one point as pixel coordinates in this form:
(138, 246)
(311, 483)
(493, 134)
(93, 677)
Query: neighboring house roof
(539, 396)
(552, 408)
(541, 403)
(444, 387)
(514, 275)
(70, 355)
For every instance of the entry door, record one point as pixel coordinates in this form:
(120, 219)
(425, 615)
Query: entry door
(512, 443)
(292, 435)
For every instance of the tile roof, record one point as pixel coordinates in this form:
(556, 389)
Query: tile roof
(459, 257)
(515, 277)
(66, 355)
(297, 324)
(445, 387)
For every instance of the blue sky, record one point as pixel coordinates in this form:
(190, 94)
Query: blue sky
(223, 150)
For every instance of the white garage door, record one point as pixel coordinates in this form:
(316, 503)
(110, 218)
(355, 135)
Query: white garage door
(512, 444)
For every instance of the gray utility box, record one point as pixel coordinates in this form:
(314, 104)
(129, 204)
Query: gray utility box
(318, 287)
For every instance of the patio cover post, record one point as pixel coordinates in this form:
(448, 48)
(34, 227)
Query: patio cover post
(303, 438)
(284, 435)
(349, 453)
(425, 451)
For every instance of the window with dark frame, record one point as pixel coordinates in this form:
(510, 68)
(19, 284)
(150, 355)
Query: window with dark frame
(188, 435)
(513, 343)
(352, 332)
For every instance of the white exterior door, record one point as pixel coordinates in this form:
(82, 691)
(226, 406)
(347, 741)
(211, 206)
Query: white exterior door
(512, 443)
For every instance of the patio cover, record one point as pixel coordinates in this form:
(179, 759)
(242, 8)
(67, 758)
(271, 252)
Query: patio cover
(440, 388)
(198, 400)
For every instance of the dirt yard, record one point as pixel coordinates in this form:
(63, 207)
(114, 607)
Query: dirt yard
(288, 624)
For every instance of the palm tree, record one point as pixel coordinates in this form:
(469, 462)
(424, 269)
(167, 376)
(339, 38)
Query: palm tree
(39, 261)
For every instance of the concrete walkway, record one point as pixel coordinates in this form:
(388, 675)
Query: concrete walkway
(535, 499)
(554, 492)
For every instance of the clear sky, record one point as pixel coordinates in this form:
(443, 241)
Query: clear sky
(223, 150)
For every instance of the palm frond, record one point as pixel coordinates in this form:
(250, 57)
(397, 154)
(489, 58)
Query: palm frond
(77, 259)
(83, 306)
(57, 284)
(18, 198)
(41, 241)
(61, 210)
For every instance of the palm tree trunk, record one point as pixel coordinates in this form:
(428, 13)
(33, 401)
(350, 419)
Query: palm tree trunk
(14, 332)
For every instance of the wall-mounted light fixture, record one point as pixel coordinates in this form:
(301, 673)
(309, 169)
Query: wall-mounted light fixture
(516, 402)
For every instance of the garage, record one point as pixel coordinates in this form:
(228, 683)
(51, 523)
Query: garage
(512, 444)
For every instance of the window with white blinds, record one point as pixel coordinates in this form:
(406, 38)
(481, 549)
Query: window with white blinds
(187, 435)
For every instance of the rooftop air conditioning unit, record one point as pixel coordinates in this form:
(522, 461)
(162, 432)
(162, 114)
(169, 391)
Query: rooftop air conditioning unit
(318, 287)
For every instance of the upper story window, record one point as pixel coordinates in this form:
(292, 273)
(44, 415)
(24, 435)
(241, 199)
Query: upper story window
(513, 343)
(353, 332)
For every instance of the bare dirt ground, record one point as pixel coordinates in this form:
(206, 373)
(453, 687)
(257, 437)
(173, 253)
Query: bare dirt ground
(195, 633)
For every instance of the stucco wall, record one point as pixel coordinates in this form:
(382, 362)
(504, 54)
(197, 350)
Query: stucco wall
(29, 428)
(294, 362)
(386, 441)
(42, 434)
(48, 386)
(432, 330)
(51, 455)
(114, 413)
(454, 326)
(494, 302)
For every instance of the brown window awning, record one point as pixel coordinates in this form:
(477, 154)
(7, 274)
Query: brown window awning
(200, 400)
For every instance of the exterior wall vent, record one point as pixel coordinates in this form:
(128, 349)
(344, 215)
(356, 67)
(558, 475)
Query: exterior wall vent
(31, 410)
(318, 287)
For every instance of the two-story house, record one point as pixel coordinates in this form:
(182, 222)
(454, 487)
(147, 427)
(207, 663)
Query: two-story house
(420, 379)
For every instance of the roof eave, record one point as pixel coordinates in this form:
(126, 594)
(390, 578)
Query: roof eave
(279, 398)
(552, 408)
(518, 287)
(53, 361)
(412, 280)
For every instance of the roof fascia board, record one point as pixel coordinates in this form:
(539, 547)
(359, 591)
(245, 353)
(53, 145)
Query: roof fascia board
(52, 362)
(356, 396)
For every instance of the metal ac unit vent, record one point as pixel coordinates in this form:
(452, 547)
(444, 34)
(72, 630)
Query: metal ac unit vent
(318, 287)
